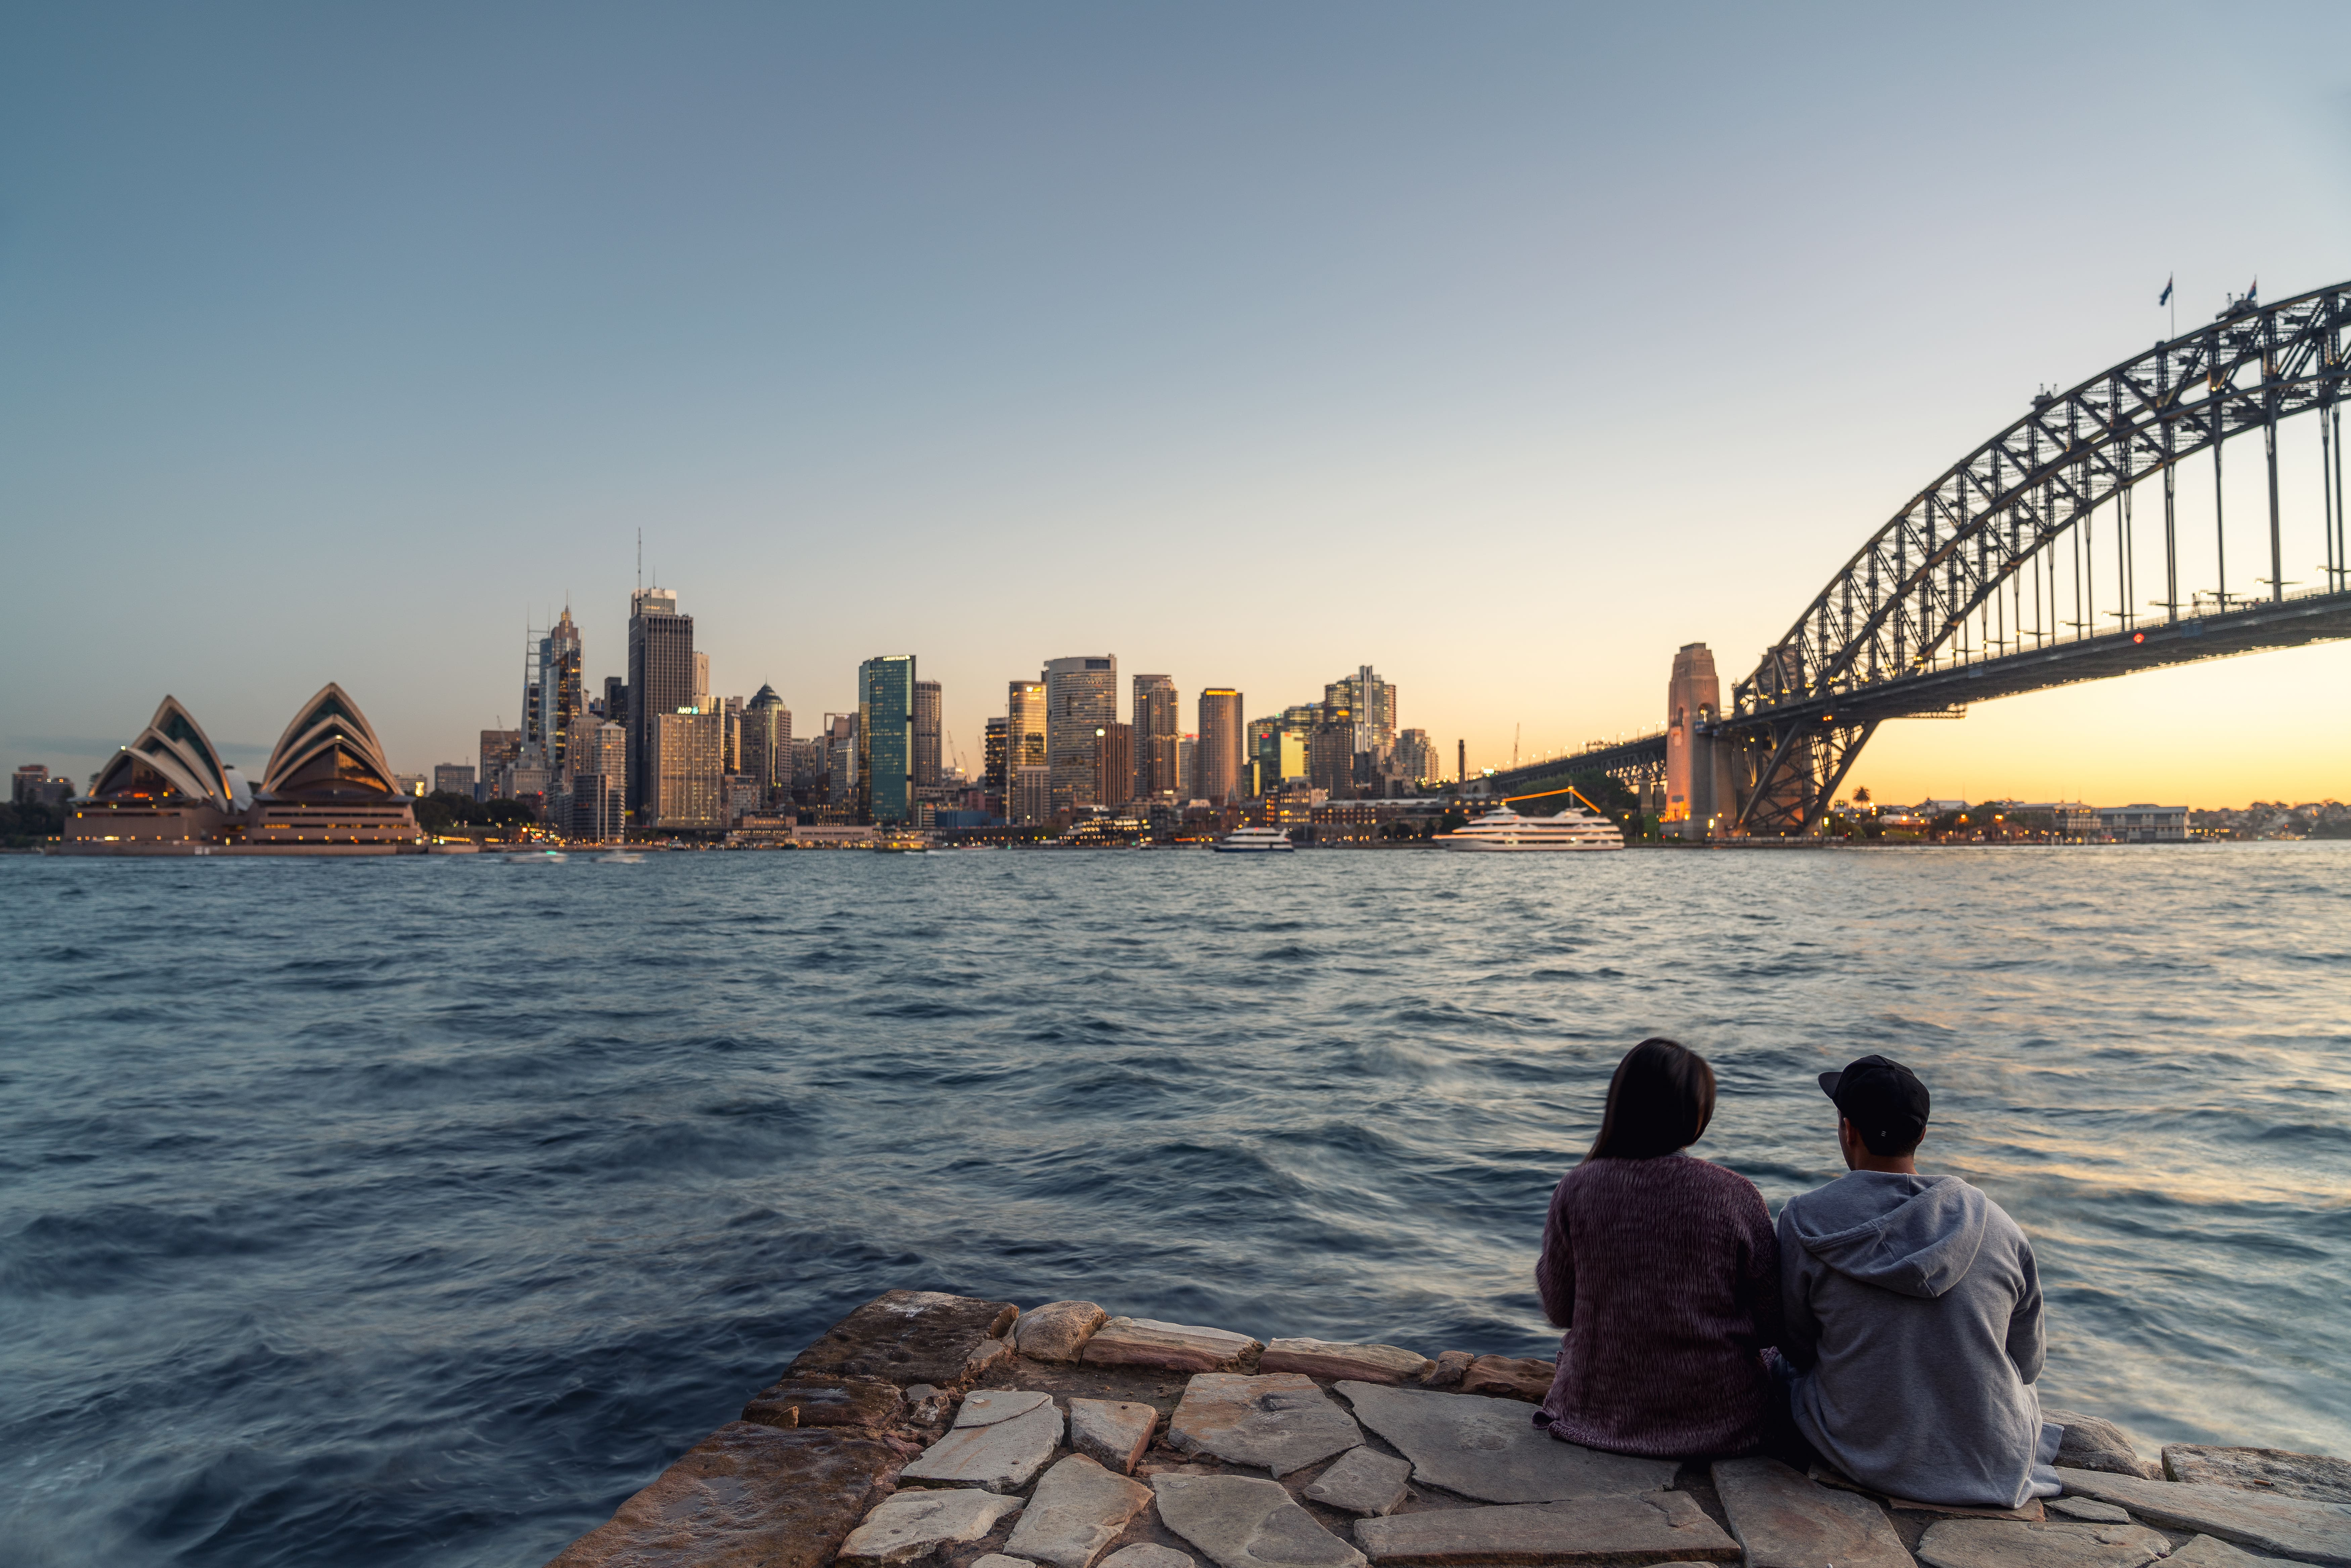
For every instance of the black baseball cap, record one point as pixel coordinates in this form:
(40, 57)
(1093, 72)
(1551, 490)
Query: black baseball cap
(1885, 1102)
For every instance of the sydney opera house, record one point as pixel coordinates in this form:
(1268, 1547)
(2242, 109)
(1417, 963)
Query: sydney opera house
(327, 789)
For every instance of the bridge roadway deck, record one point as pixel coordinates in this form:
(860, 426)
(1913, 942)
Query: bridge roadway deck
(2269, 624)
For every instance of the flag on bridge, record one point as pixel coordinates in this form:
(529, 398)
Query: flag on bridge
(2165, 298)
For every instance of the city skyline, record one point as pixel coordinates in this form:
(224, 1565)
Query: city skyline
(824, 302)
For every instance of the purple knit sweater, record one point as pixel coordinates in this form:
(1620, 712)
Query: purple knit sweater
(1666, 1274)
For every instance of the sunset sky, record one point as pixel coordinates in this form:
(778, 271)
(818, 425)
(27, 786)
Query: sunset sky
(1505, 348)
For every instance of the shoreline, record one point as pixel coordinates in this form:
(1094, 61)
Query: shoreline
(926, 1430)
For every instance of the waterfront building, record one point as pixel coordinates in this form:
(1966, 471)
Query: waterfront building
(929, 714)
(596, 804)
(810, 759)
(991, 755)
(167, 787)
(1330, 755)
(841, 761)
(32, 786)
(661, 682)
(1114, 764)
(453, 778)
(561, 689)
(1025, 728)
(885, 739)
(682, 775)
(1155, 720)
(1080, 697)
(327, 782)
(768, 742)
(743, 797)
(1415, 757)
(1221, 744)
(1187, 767)
(1276, 753)
(1032, 794)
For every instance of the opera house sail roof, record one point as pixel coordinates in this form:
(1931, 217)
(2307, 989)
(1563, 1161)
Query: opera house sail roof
(327, 789)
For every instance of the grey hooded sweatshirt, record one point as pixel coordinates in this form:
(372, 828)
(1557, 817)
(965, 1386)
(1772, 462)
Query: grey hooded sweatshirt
(1913, 1319)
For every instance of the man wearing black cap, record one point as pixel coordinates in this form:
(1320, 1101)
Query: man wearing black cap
(1912, 1314)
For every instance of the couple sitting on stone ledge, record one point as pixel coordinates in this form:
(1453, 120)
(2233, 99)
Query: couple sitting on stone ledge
(1892, 1326)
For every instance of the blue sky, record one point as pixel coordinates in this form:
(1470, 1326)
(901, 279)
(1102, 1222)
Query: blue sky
(1507, 348)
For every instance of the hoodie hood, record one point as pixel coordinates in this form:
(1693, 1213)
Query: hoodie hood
(1915, 1236)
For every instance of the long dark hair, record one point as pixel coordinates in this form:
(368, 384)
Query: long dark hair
(1659, 1101)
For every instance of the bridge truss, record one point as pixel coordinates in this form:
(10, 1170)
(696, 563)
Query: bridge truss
(1967, 593)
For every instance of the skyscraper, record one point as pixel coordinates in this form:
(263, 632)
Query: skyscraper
(501, 749)
(661, 681)
(1080, 697)
(616, 701)
(1156, 719)
(1114, 764)
(928, 705)
(768, 743)
(1024, 742)
(841, 761)
(563, 691)
(1415, 757)
(1373, 703)
(682, 777)
(1221, 744)
(1278, 749)
(885, 739)
(991, 756)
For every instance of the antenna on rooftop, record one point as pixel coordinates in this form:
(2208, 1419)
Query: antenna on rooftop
(640, 560)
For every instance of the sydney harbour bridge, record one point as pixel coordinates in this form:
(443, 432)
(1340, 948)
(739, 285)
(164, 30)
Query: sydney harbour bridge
(2032, 562)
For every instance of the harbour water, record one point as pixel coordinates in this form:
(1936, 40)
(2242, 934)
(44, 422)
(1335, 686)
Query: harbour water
(383, 1212)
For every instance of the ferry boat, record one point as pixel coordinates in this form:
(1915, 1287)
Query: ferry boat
(1503, 831)
(1255, 841)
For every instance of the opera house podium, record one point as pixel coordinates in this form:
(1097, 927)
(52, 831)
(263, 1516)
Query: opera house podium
(327, 789)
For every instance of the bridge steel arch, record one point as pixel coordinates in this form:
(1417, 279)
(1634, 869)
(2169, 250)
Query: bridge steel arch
(1939, 594)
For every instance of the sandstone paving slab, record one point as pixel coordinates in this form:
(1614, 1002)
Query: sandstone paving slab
(2317, 1478)
(2011, 1543)
(1179, 1347)
(1057, 1331)
(1487, 1450)
(2259, 1521)
(2210, 1552)
(1113, 1431)
(914, 1336)
(1280, 1421)
(2031, 1513)
(1142, 1554)
(1364, 1363)
(1365, 1480)
(986, 1407)
(1076, 1511)
(746, 1494)
(911, 1525)
(1452, 1365)
(824, 1399)
(1510, 1378)
(998, 1560)
(1652, 1527)
(1240, 1522)
(1000, 1456)
(1789, 1521)
(2093, 1443)
(2089, 1508)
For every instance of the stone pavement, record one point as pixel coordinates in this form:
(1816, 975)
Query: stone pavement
(935, 1431)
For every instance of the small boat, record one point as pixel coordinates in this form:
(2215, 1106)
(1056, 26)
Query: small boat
(903, 844)
(1254, 841)
(1503, 831)
(537, 857)
(620, 857)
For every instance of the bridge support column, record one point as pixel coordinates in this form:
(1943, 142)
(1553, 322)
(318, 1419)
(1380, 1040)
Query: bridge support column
(1787, 775)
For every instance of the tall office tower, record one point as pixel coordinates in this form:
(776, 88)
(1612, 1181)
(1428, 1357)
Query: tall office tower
(682, 777)
(1277, 752)
(929, 706)
(730, 730)
(809, 761)
(991, 755)
(616, 701)
(534, 739)
(885, 739)
(448, 778)
(701, 684)
(600, 781)
(840, 759)
(1415, 757)
(1221, 744)
(1330, 757)
(501, 749)
(1373, 702)
(1155, 718)
(1080, 697)
(1114, 764)
(1031, 798)
(562, 690)
(1187, 767)
(660, 680)
(768, 742)
(1024, 733)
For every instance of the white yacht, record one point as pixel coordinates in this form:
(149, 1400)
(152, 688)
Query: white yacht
(1255, 841)
(1502, 830)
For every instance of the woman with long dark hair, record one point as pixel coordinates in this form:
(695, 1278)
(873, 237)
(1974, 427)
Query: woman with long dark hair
(1664, 1271)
